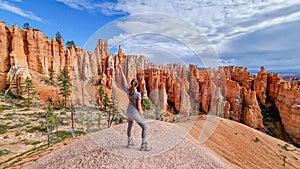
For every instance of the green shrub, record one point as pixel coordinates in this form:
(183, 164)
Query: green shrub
(26, 109)
(147, 104)
(231, 113)
(3, 129)
(35, 142)
(32, 142)
(117, 120)
(2, 109)
(63, 113)
(16, 126)
(4, 152)
(36, 128)
(121, 120)
(66, 134)
(256, 140)
(9, 116)
(62, 103)
(18, 133)
(10, 95)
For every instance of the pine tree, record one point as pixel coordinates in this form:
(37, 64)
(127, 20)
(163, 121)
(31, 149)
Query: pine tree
(70, 43)
(29, 92)
(101, 96)
(50, 122)
(114, 104)
(58, 36)
(106, 102)
(51, 76)
(26, 25)
(65, 85)
(158, 111)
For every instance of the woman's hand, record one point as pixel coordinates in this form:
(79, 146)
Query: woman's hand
(125, 83)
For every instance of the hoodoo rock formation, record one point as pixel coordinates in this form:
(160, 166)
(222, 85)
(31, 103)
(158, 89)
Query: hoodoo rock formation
(16, 78)
(230, 92)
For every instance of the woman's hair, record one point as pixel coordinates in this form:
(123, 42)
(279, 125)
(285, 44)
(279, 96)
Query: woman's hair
(134, 83)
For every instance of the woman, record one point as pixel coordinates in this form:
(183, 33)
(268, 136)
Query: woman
(135, 113)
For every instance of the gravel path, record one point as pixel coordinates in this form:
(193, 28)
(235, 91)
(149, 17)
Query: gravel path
(171, 148)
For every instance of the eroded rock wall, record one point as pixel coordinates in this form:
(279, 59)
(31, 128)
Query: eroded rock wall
(230, 92)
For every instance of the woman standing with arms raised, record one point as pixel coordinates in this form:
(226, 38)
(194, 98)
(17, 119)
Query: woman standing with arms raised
(135, 112)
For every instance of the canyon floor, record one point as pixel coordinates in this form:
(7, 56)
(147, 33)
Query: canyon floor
(196, 142)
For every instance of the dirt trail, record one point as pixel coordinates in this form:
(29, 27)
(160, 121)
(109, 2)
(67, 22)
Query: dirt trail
(172, 148)
(203, 142)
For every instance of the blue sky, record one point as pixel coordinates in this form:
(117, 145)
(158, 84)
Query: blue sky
(250, 33)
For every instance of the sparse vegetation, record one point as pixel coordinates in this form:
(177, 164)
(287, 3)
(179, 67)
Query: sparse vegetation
(2, 109)
(3, 128)
(36, 128)
(18, 125)
(18, 122)
(231, 113)
(26, 109)
(146, 104)
(286, 147)
(9, 116)
(272, 121)
(10, 161)
(18, 133)
(63, 113)
(32, 142)
(256, 140)
(4, 152)
(270, 113)
(66, 134)
(158, 112)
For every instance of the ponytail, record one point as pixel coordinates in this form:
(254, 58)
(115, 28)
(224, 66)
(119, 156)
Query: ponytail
(134, 83)
(132, 90)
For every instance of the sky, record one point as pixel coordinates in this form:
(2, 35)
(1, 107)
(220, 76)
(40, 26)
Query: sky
(249, 33)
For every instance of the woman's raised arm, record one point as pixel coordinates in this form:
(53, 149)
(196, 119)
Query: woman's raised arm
(124, 83)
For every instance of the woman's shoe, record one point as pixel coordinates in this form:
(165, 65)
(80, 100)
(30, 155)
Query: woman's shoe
(130, 143)
(145, 147)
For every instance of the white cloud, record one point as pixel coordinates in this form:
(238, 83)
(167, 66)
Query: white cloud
(78, 4)
(220, 21)
(148, 32)
(107, 8)
(11, 8)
